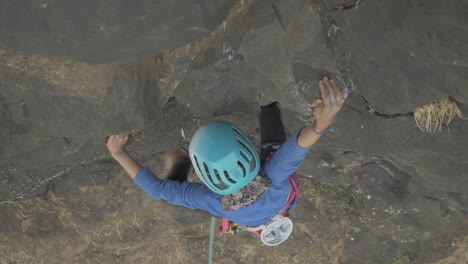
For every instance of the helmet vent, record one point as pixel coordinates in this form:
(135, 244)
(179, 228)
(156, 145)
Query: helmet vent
(244, 156)
(242, 167)
(240, 134)
(207, 171)
(217, 176)
(252, 162)
(226, 174)
(219, 185)
(196, 162)
(245, 146)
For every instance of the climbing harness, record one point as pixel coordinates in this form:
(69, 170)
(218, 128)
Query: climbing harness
(280, 226)
(274, 232)
(278, 229)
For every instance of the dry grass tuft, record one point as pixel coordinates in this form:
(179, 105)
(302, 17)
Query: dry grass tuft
(73, 78)
(460, 255)
(431, 117)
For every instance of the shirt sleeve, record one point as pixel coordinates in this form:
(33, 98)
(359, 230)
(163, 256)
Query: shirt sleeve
(286, 160)
(174, 192)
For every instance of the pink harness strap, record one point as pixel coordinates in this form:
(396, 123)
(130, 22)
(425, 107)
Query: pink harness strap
(293, 195)
(225, 226)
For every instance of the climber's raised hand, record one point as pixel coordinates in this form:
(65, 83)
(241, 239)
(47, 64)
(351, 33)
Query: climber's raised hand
(328, 105)
(116, 144)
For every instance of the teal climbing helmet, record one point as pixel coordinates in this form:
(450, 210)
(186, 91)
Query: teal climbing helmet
(223, 157)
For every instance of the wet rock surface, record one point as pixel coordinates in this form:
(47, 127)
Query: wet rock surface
(375, 190)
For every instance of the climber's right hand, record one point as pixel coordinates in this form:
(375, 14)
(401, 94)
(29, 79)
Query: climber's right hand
(328, 105)
(116, 144)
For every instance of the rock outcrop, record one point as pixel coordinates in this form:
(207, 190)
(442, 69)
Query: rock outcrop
(376, 190)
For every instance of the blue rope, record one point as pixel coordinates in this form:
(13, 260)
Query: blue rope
(212, 234)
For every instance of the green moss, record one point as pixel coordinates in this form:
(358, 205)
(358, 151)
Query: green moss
(405, 259)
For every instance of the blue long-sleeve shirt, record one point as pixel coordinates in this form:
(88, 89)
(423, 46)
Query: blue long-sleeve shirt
(283, 163)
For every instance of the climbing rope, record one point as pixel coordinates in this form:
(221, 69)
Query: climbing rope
(186, 140)
(212, 234)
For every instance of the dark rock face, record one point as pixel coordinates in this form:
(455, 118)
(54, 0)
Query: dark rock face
(106, 31)
(376, 190)
(406, 59)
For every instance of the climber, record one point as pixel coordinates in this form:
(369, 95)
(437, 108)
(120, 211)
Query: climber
(237, 184)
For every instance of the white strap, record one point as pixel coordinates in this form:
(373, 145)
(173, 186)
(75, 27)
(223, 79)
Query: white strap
(254, 229)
